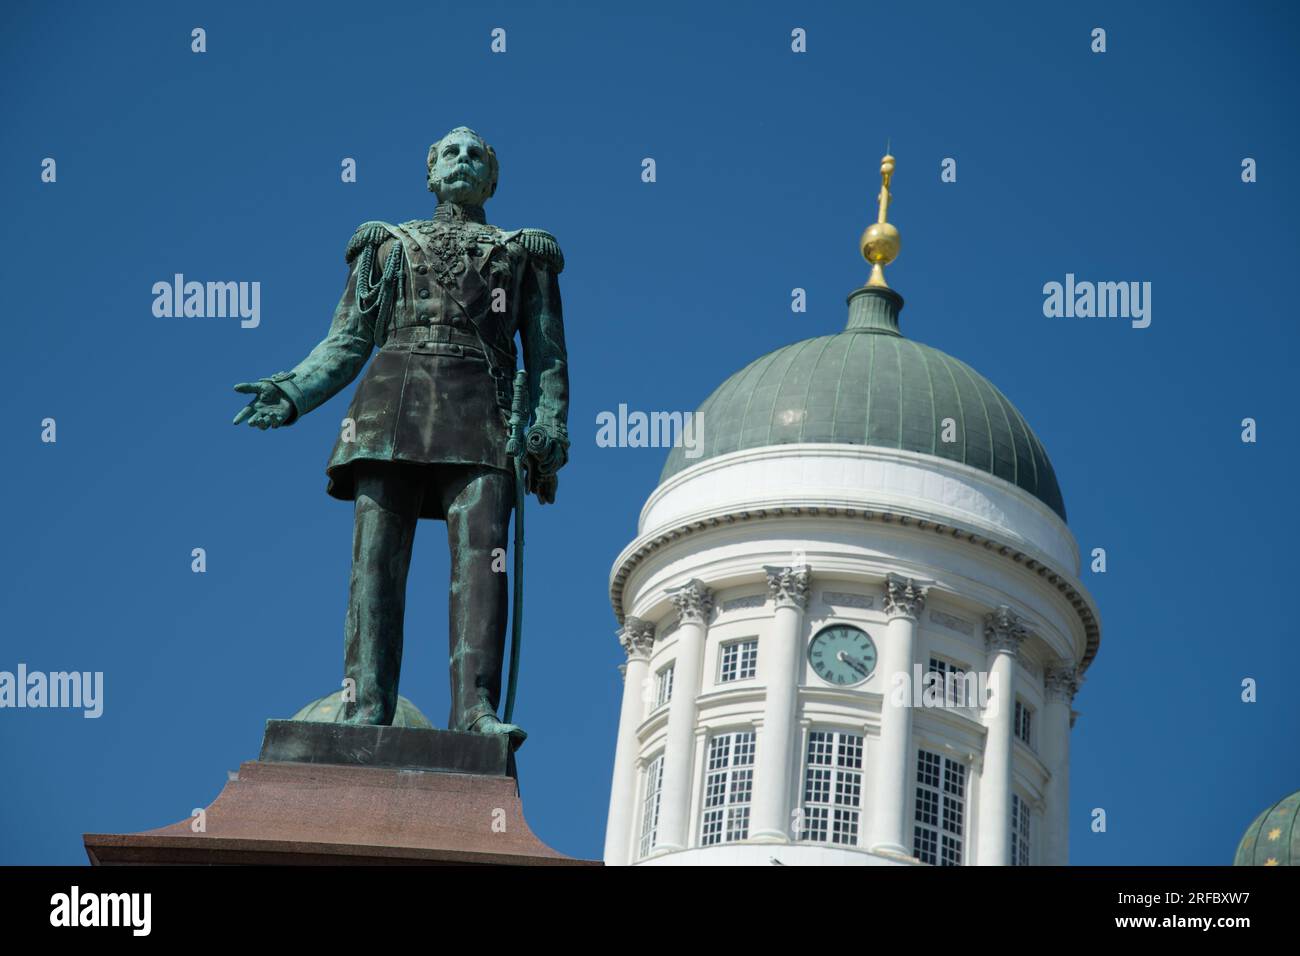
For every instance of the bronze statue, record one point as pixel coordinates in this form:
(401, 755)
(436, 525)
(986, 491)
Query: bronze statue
(426, 435)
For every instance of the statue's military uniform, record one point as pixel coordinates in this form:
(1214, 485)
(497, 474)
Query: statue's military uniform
(425, 436)
(443, 299)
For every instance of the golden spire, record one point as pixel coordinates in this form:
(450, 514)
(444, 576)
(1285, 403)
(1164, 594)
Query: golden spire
(880, 242)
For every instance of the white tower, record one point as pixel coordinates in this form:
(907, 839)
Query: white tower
(854, 621)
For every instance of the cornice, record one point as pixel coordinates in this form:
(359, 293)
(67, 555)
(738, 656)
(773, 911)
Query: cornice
(867, 702)
(651, 725)
(641, 549)
(754, 693)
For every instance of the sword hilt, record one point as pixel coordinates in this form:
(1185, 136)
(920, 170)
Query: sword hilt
(518, 414)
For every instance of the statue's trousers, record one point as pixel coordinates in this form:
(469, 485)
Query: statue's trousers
(477, 502)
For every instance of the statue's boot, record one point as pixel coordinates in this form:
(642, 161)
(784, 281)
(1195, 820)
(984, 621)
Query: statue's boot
(488, 724)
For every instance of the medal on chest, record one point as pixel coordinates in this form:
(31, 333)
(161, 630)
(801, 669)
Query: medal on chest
(448, 246)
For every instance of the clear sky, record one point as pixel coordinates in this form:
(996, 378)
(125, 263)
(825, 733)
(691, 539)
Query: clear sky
(1120, 166)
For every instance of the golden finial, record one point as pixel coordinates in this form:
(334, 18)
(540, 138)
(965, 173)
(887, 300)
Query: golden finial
(881, 241)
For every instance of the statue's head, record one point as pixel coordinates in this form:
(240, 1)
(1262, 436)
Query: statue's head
(462, 168)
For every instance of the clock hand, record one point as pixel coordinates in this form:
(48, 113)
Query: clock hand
(853, 662)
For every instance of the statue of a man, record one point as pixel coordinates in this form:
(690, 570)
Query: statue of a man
(425, 437)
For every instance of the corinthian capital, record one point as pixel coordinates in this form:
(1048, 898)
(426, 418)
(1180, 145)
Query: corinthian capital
(693, 601)
(904, 597)
(1061, 682)
(788, 587)
(637, 637)
(1004, 630)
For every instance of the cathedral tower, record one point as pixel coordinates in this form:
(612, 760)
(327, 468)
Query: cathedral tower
(854, 625)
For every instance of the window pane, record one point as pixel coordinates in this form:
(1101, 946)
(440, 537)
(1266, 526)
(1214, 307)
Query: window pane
(650, 805)
(728, 784)
(940, 810)
(832, 788)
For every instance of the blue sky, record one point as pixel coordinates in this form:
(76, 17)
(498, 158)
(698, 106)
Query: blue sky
(225, 166)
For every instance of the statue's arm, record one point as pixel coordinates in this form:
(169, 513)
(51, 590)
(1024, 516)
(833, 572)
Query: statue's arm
(339, 357)
(541, 332)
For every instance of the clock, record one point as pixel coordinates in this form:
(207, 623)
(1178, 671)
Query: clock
(842, 655)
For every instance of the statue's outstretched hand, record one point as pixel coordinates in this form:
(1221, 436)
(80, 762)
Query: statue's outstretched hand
(269, 408)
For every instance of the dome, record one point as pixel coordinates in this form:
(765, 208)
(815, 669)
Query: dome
(329, 709)
(868, 385)
(1274, 838)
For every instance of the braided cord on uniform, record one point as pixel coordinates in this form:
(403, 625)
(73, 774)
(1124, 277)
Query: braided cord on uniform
(376, 301)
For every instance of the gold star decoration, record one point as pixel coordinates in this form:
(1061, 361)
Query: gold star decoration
(1274, 833)
(1271, 861)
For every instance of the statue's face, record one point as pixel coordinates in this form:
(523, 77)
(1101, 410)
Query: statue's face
(461, 169)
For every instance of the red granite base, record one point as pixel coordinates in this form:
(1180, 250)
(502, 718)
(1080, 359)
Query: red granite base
(323, 814)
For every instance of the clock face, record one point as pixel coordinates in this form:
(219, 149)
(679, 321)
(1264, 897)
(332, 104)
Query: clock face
(842, 655)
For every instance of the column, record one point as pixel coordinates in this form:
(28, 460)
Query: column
(779, 655)
(693, 601)
(1003, 634)
(637, 638)
(893, 762)
(1060, 683)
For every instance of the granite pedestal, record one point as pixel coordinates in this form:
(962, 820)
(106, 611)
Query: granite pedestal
(327, 793)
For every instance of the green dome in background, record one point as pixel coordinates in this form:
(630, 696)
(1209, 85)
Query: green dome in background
(868, 385)
(329, 709)
(1274, 838)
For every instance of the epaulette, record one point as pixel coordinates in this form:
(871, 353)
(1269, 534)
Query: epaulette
(374, 233)
(542, 244)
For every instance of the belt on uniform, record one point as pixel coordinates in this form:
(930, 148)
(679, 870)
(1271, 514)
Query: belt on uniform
(445, 340)
(435, 340)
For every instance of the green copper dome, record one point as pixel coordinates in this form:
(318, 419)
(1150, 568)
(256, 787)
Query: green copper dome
(1274, 838)
(868, 385)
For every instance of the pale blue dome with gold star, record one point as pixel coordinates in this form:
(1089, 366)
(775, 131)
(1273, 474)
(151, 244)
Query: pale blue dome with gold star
(1274, 838)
